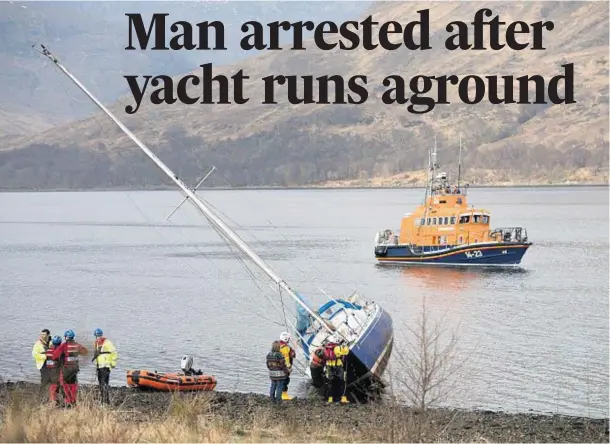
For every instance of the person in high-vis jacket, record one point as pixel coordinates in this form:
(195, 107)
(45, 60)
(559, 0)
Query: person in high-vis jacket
(53, 367)
(289, 355)
(39, 353)
(335, 354)
(105, 357)
(69, 352)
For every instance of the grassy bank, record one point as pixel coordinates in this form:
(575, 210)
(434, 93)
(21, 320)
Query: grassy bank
(136, 416)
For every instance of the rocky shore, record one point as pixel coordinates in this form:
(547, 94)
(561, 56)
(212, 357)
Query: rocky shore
(231, 417)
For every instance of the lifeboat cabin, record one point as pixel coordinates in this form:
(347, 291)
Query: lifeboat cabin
(444, 230)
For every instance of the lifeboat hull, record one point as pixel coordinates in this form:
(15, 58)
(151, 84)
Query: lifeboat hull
(482, 254)
(168, 382)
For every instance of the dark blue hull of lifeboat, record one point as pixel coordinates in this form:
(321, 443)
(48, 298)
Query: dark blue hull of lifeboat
(484, 254)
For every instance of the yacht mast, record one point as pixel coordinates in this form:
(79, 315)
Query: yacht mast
(193, 198)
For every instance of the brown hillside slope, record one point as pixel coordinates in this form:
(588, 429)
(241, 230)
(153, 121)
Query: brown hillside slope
(256, 144)
(21, 122)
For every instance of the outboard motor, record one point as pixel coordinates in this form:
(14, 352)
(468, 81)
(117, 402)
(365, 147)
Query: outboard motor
(187, 363)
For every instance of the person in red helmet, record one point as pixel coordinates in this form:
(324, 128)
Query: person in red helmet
(69, 352)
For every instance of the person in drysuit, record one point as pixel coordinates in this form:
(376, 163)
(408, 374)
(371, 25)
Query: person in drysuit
(186, 365)
(69, 352)
(316, 367)
(53, 368)
(335, 354)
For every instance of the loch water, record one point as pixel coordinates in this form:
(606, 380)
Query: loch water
(531, 338)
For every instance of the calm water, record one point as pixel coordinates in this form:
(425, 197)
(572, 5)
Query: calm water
(535, 339)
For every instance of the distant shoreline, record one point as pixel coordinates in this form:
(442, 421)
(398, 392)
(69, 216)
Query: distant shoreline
(292, 188)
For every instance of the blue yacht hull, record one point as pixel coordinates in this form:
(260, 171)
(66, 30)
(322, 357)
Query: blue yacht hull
(496, 253)
(374, 348)
(368, 357)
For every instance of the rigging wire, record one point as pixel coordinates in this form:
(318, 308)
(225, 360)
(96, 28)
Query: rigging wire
(149, 222)
(225, 240)
(139, 209)
(191, 150)
(293, 265)
(249, 271)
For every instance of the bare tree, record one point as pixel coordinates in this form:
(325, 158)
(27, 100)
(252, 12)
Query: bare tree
(428, 366)
(430, 361)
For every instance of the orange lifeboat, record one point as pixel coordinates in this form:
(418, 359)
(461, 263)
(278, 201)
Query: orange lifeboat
(167, 382)
(444, 230)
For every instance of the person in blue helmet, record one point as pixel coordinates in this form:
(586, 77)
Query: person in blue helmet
(69, 352)
(105, 357)
(53, 367)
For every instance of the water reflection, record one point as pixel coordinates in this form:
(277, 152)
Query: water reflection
(447, 288)
(439, 278)
(448, 277)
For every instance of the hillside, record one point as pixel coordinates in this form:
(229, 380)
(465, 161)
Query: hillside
(256, 144)
(91, 37)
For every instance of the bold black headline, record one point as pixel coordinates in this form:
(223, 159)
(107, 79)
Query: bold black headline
(421, 93)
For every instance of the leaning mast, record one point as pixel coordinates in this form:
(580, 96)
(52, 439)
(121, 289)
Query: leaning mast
(193, 198)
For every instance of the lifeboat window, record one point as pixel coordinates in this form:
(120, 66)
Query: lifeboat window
(428, 221)
(476, 219)
(434, 221)
(464, 219)
(452, 220)
(485, 220)
(423, 221)
(446, 221)
(417, 222)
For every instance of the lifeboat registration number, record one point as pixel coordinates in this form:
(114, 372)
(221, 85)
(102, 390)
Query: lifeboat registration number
(475, 253)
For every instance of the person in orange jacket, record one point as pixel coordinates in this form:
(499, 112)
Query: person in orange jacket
(316, 367)
(68, 353)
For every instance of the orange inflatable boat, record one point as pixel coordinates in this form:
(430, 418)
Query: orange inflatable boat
(167, 382)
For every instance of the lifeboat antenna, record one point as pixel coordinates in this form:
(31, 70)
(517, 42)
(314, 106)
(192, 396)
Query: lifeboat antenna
(434, 162)
(199, 204)
(460, 159)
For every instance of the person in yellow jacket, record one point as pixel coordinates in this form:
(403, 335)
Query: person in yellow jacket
(105, 357)
(335, 354)
(289, 355)
(39, 353)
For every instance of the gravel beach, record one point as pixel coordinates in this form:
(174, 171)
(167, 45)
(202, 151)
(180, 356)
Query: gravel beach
(308, 419)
